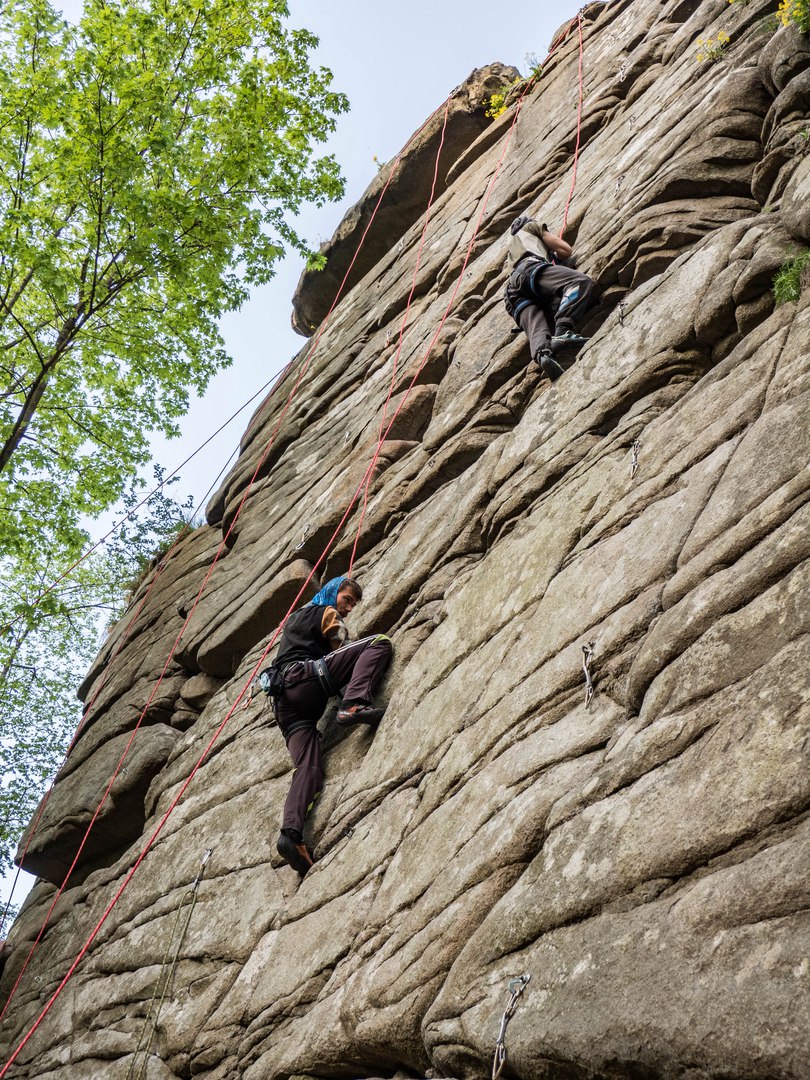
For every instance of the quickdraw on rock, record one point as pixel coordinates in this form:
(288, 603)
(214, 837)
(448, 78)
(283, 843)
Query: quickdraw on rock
(634, 464)
(516, 988)
(587, 656)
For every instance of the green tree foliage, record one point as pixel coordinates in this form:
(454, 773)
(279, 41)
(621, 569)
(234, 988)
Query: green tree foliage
(150, 159)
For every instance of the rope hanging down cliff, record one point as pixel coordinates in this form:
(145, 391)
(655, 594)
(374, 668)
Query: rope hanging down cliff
(518, 106)
(261, 660)
(216, 558)
(165, 976)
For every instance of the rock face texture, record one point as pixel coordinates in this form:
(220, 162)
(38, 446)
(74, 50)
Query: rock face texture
(644, 859)
(398, 195)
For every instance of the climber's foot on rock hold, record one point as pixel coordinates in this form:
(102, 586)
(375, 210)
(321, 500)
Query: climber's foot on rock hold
(359, 713)
(550, 367)
(567, 342)
(294, 851)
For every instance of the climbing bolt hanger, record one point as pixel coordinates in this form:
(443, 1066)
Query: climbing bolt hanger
(587, 656)
(516, 988)
(634, 464)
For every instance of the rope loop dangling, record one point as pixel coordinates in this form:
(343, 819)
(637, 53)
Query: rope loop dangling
(165, 977)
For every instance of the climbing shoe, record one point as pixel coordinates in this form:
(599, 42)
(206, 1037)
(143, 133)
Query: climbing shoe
(359, 713)
(567, 341)
(297, 855)
(550, 367)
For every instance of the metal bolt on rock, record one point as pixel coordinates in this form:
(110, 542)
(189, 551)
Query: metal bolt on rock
(516, 987)
(587, 656)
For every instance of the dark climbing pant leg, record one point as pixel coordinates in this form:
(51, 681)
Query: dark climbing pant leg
(570, 291)
(307, 781)
(534, 324)
(357, 668)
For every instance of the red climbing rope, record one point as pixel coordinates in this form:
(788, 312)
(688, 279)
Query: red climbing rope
(85, 555)
(363, 483)
(579, 126)
(216, 559)
(518, 106)
(123, 638)
(380, 437)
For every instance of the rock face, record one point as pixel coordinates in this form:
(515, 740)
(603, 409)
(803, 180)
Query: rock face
(643, 859)
(407, 182)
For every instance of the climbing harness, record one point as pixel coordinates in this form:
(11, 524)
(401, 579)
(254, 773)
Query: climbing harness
(516, 988)
(165, 977)
(634, 464)
(587, 656)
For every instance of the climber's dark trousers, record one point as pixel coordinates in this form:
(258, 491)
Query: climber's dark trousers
(355, 669)
(534, 324)
(555, 288)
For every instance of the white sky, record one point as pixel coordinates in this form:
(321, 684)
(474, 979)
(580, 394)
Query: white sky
(396, 63)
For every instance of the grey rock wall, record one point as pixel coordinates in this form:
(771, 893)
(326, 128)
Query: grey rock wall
(643, 859)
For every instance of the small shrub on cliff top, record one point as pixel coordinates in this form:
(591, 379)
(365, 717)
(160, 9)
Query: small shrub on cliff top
(796, 12)
(497, 105)
(497, 102)
(711, 49)
(787, 285)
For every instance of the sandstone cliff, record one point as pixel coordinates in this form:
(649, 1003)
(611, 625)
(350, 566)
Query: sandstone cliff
(643, 859)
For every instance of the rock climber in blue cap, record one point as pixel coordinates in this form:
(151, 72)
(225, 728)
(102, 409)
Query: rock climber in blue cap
(317, 661)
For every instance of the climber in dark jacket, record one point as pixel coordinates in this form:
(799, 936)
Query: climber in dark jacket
(317, 661)
(542, 293)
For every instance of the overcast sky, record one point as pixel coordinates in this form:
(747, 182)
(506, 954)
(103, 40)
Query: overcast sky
(396, 63)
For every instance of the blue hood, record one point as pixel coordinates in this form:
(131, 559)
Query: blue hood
(327, 597)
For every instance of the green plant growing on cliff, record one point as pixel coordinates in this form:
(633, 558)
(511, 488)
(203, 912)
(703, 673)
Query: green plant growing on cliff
(710, 50)
(497, 102)
(795, 12)
(787, 284)
(496, 105)
(150, 160)
(534, 65)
